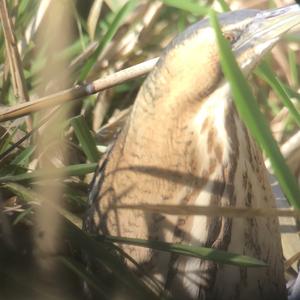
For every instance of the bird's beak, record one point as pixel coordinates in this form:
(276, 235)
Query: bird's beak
(262, 33)
(272, 24)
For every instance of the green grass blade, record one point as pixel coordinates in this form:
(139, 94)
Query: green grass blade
(187, 250)
(251, 115)
(266, 74)
(22, 158)
(85, 138)
(73, 170)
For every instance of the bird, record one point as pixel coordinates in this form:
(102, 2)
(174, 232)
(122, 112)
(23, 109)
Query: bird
(184, 143)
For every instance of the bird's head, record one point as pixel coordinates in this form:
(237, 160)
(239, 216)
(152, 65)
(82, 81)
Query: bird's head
(257, 32)
(192, 58)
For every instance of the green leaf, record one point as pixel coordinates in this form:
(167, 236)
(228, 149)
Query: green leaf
(9, 170)
(251, 115)
(291, 92)
(22, 157)
(218, 256)
(22, 192)
(73, 170)
(85, 138)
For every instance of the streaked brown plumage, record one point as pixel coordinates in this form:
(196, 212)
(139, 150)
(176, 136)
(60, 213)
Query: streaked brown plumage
(184, 143)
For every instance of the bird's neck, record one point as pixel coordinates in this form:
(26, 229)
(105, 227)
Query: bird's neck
(169, 129)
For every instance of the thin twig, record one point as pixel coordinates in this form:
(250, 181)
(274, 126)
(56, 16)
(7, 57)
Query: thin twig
(78, 92)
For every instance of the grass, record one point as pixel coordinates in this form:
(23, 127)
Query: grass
(55, 149)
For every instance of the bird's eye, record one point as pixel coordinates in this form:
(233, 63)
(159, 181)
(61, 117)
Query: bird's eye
(230, 37)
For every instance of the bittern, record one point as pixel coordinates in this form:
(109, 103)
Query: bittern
(185, 144)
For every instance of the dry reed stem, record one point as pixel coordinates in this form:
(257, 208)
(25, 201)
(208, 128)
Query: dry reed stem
(15, 63)
(77, 92)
